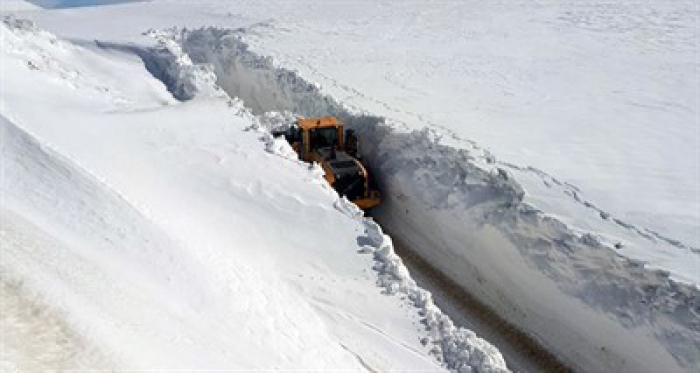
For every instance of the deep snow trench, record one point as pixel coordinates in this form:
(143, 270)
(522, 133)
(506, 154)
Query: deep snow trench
(464, 213)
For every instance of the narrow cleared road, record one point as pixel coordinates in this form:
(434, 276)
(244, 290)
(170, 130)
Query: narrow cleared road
(522, 352)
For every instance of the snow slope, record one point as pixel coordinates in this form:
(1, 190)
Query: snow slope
(556, 236)
(16, 6)
(168, 235)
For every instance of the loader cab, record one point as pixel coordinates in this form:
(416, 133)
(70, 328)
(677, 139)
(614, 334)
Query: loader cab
(323, 138)
(320, 138)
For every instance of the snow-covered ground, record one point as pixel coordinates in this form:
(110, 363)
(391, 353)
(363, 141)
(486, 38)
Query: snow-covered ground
(16, 6)
(638, 165)
(154, 234)
(545, 156)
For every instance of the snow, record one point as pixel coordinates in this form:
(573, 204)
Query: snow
(571, 292)
(543, 156)
(450, 196)
(35, 337)
(601, 95)
(77, 3)
(161, 234)
(16, 6)
(464, 210)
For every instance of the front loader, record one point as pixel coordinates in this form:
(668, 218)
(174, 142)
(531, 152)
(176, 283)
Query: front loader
(323, 140)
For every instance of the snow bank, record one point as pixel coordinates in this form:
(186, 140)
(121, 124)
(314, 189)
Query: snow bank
(168, 63)
(168, 237)
(91, 253)
(465, 212)
(565, 288)
(459, 348)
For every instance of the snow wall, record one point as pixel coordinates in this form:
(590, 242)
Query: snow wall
(466, 215)
(92, 215)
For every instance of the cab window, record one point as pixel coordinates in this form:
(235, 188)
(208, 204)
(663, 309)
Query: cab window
(323, 137)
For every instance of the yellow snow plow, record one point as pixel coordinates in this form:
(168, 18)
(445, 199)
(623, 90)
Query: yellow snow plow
(323, 140)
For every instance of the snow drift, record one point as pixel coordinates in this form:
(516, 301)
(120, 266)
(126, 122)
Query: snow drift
(465, 213)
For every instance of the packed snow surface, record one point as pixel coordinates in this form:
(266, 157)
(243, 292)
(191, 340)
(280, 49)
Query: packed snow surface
(147, 233)
(545, 156)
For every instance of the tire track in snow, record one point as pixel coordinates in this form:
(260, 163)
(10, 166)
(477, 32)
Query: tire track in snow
(359, 359)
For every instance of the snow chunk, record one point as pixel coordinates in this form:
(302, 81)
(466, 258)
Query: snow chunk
(460, 349)
(184, 79)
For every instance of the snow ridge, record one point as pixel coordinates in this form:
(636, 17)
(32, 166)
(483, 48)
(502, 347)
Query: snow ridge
(575, 194)
(184, 79)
